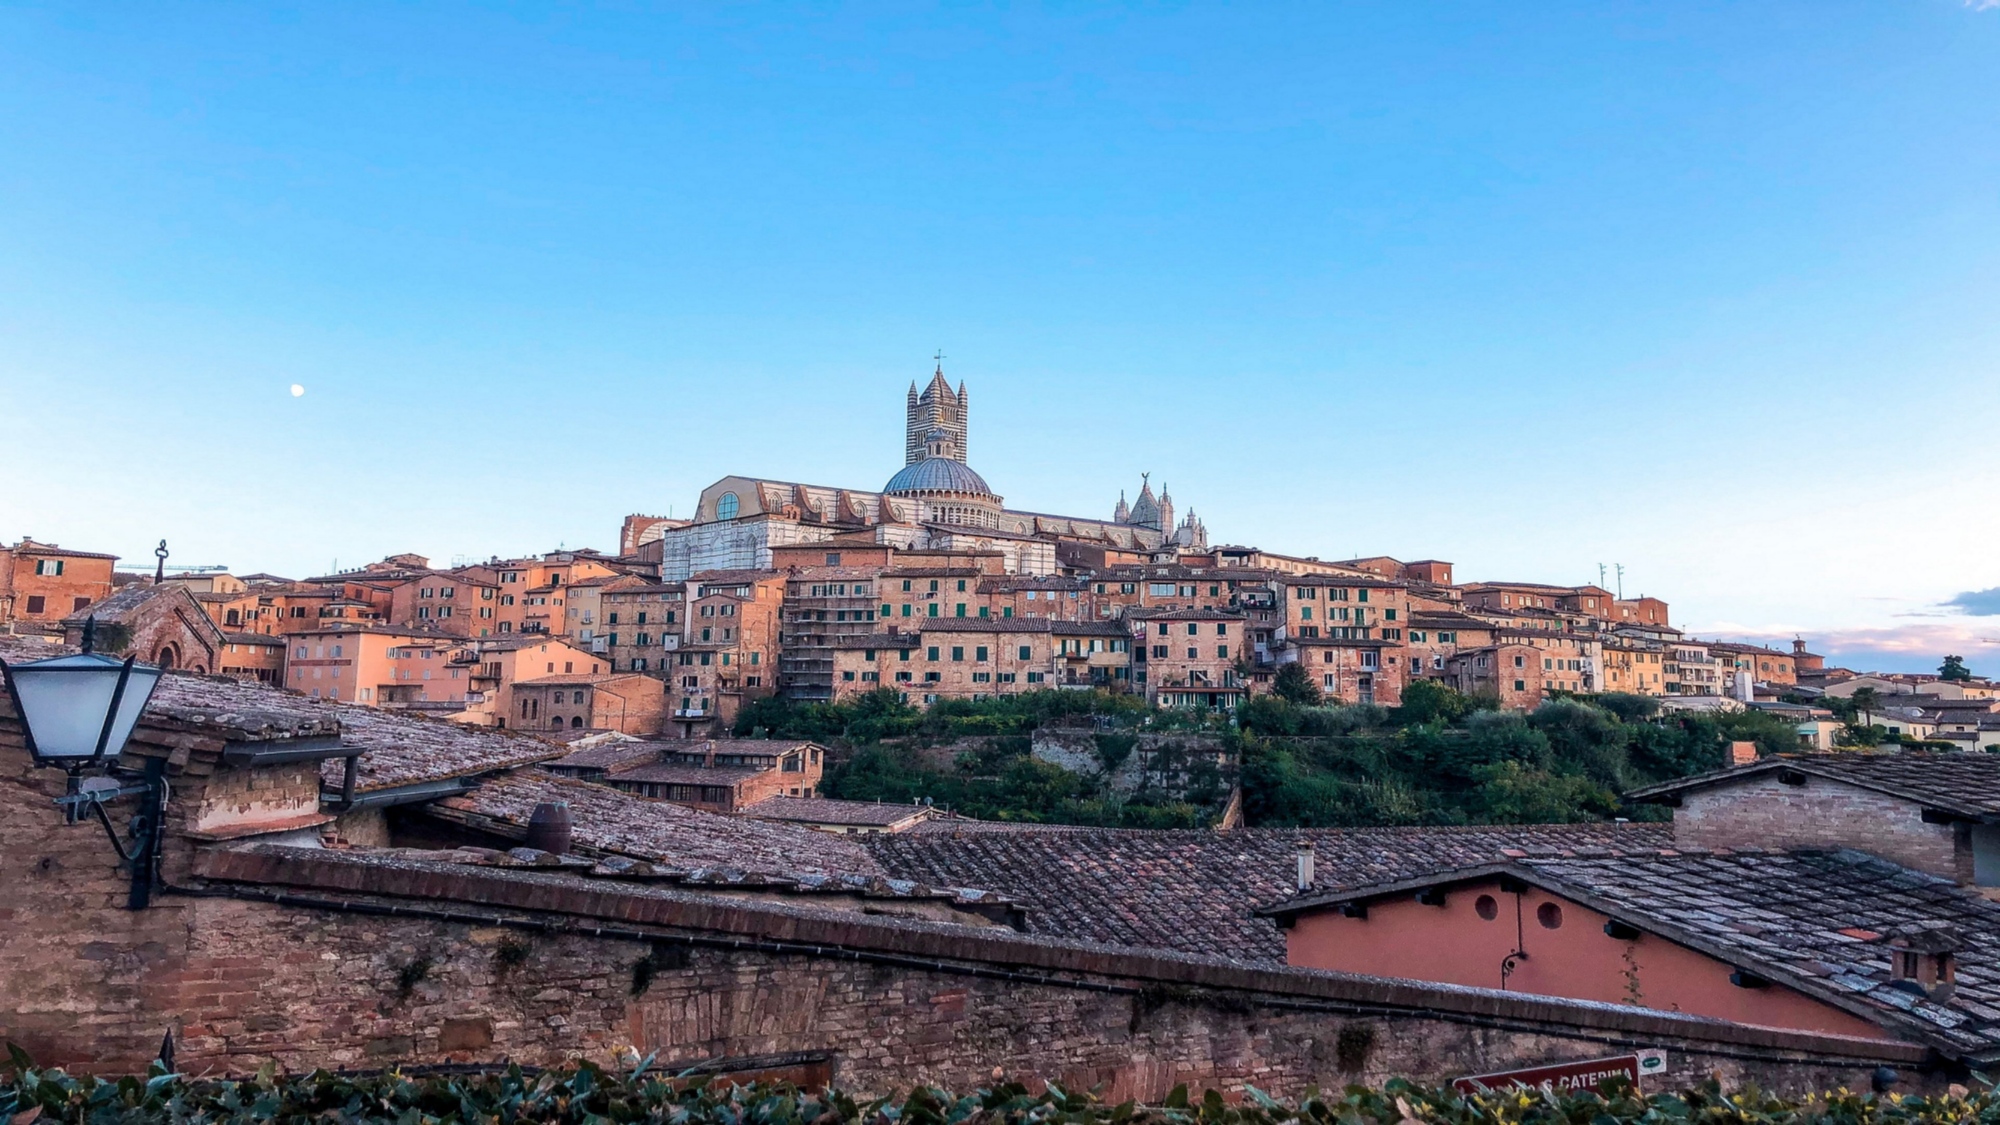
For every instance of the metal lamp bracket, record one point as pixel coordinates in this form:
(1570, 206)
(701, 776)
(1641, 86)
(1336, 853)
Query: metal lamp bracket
(144, 830)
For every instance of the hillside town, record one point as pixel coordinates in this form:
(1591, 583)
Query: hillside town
(929, 588)
(526, 809)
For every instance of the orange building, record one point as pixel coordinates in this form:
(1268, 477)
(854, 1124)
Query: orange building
(463, 605)
(625, 702)
(729, 647)
(1188, 657)
(1350, 671)
(496, 665)
(41, 583)
(359, 664)
(1829, 941)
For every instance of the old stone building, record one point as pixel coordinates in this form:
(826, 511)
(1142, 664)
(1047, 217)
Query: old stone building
(41, 583)
(344, 887)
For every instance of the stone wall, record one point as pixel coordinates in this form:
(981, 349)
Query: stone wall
(311, 957)
(1169, 764)
(1764, 812)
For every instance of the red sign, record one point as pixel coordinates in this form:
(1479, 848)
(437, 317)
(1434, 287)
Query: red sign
(1569, 1077)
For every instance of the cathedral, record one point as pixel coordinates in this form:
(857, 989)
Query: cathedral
(935, 501)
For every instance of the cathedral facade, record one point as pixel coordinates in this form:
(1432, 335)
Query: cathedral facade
(936, 501)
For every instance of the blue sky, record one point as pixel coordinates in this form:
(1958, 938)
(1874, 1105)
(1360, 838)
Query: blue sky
(1705, 289)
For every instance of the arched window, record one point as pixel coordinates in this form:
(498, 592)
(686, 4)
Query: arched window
(726, 506)
(576, 722)
(555, 722)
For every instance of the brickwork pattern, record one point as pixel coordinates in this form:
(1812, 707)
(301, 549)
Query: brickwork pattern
(1764, 812)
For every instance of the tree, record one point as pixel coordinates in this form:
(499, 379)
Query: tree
(1866, 700)
(1428, 701)
(1295, 685)
(1954, 668)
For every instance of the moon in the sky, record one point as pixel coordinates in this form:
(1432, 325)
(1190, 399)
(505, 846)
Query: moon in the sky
(297, 390)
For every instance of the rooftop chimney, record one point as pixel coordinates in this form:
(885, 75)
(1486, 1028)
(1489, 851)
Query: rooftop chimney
(1305, 865)
(548, 827)
(1742, 754)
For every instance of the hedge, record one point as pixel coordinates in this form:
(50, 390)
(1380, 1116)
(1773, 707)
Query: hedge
(587, 1095)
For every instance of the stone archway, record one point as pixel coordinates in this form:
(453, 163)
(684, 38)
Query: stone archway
(168, 657)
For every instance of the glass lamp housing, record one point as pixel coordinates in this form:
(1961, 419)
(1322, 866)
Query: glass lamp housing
(79, 710)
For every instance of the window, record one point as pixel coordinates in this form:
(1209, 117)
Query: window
(1161, 589)
(958, 652)
(35, 601)
(1222, 652)
(933, 653)
(960, 611)
(1024, 652)
(1193, 654)
(961, 585)
(726, 506)
(1159, 652)
(979, 654)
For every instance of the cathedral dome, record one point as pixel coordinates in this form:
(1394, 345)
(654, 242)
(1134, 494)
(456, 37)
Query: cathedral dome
(937, 474)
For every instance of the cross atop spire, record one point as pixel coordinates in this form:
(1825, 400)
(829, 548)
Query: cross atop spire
(939, 357)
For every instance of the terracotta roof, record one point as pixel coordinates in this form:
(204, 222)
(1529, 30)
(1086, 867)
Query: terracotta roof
(118, 605)
(269, 640)
(607, 756)
(1445, 619)
(409, 749)
(30, 547)
(609, 820)
(1189, 614)
(1344, 580)
(823, 810)
(990, 625)
(1198, 892)
(1820, 922)
(730, 577)
(673, 773)
(577, 678)
(1090, 628)
(1011, 583)
(1965, 785)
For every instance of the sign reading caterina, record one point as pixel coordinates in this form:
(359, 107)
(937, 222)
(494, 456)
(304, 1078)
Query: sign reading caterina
(1569, 1077)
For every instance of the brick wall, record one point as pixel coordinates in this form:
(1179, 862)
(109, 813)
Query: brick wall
(293, 955)
(1764, 812)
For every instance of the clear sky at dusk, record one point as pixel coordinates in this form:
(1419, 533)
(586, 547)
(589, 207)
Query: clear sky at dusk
(1711, 290)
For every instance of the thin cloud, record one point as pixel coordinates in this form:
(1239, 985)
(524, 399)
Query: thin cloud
(1979, 603)
(1982, 5)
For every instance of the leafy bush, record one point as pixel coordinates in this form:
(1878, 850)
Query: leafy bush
(588, 1095)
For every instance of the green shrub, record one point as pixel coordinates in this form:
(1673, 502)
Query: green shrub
(588, 1095)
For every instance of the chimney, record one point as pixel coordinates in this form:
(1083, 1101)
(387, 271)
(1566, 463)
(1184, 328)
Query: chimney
(1742, 754)
(548, 828)
(708, 755)
(1305, 865)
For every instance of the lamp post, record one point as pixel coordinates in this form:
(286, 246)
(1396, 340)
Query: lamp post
(77, 713)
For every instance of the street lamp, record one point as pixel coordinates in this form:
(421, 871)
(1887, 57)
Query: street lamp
(77, 712)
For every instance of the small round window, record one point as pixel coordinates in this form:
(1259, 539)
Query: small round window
(1549, 915)
(1487, 907)
(726, 505)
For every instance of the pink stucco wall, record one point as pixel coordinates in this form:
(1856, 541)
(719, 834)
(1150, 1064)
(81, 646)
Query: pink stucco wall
(1453, 944)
